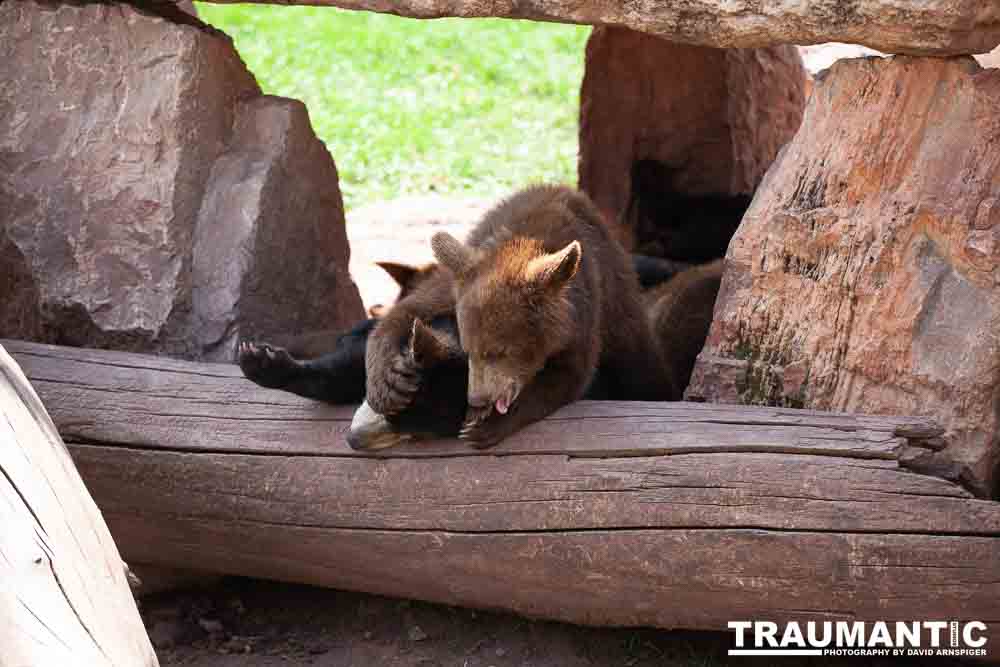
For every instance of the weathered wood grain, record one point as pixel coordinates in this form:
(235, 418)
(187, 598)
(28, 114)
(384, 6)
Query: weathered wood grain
(673, 515)
(64, 599)
(534, 492)
(145, 401)
(684, 578)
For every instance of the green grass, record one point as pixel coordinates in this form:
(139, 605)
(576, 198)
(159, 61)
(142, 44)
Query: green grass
(469, 107)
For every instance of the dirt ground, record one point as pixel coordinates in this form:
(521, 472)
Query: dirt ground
(250, 623)
(400, 231)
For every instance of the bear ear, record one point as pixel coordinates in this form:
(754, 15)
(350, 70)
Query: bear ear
(403, 274)
(555, 270)
(427, 345)
(453, 254)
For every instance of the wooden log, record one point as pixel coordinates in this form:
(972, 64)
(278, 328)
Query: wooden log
(664, 514)
(64, 599)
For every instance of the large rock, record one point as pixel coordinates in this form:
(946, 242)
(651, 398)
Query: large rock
(709, 124)
(270, 247)
(918, 27)
(866, 274)
(150, 198)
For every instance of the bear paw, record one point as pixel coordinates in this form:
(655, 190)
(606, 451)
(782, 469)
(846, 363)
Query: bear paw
(395, 388)
(483, 428)
(268, 366)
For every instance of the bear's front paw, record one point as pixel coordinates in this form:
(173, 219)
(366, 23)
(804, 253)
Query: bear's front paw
(268, 366)
(483, 428)
(396, 387)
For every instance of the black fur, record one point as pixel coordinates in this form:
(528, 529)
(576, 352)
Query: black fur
(337, 377)
(687, 228)
(653, 271)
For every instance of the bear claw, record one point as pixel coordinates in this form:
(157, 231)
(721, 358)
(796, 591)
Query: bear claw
(265, 364)
(401, 382)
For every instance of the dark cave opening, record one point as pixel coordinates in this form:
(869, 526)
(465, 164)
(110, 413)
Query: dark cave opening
(676, 226)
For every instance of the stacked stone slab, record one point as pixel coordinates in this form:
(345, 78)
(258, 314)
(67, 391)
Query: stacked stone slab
(917, 27)
(866, 274)
(151, 198)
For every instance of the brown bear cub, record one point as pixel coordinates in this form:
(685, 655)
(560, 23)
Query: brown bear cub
(680, 314)
(543, 295)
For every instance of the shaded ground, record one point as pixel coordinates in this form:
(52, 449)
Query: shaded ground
(253, 623)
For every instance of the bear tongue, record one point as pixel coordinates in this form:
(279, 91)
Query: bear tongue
(503, 404)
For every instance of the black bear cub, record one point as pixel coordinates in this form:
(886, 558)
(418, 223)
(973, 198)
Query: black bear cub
(431, 350)
(325, 365)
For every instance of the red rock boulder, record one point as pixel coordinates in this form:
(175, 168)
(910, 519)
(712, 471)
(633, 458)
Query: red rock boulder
(150, 198)
(866, 275)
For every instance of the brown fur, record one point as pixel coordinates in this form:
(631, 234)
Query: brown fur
(680, 314)
(392, 379)
(544, 295)
(408, 277)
